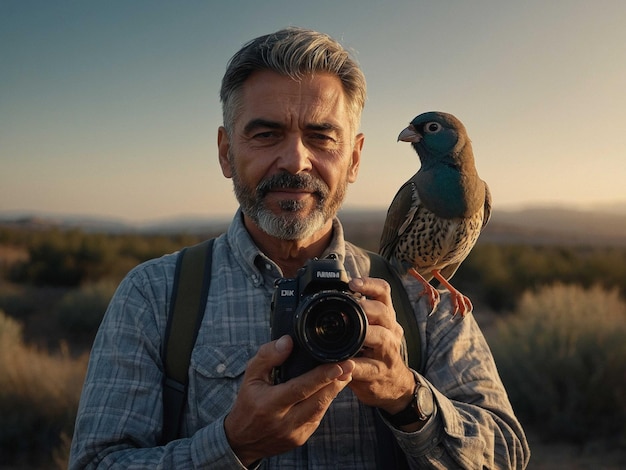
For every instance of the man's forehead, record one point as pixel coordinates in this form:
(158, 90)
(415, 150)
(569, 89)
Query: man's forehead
(314, 101)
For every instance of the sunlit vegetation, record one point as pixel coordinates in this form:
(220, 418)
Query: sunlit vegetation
(39, 395)
(562, 356)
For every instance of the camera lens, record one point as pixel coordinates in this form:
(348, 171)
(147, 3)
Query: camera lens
(331, 326)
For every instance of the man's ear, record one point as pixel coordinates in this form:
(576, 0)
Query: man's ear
(353, 170)
(223, 146)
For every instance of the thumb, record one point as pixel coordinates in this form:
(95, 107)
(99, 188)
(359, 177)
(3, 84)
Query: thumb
(282, 349)
(269, 356)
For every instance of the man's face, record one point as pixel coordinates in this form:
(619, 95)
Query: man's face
(291, 153)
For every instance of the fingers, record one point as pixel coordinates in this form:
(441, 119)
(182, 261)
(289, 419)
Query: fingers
(325, 381)
(308, 396)
(267, 419)
(329, 379)
(376, 300)
(372, 288)
(378, 307)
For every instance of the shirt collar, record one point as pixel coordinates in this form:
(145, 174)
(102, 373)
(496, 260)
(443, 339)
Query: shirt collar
(256, 264)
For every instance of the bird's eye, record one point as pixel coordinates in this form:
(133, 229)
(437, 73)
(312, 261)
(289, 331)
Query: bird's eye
(432, 127)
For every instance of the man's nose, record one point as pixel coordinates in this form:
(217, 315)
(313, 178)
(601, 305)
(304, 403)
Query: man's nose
(294, 156)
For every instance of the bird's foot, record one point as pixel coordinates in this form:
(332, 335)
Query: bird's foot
(431, 294)
(460, 303)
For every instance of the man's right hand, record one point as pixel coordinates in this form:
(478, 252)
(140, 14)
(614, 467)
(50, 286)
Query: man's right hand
(268, 419)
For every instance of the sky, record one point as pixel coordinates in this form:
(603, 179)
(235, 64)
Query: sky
(111, 108)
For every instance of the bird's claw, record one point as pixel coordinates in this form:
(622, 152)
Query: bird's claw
(432, 296)
(462, 304)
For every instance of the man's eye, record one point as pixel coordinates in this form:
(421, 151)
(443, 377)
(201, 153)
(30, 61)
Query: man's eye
(265, 135)
(323, 138)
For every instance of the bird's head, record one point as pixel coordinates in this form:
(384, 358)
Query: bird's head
(435, 136)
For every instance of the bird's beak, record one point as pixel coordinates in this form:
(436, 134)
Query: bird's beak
(410, 134)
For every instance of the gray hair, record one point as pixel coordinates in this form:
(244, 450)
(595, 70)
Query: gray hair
(293, 52)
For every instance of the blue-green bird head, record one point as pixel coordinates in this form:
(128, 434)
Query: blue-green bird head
(436, 137)
(447, 182)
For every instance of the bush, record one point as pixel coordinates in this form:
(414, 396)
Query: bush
(502, 273)
(561, 357)
(39, 396)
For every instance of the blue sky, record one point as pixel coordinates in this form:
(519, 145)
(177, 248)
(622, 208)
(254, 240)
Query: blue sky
(110, 108)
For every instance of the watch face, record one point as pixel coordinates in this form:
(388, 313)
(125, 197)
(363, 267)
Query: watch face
(424, 400)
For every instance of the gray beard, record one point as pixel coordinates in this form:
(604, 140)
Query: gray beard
(288, 225)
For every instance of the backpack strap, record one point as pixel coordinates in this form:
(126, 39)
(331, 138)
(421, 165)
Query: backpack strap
(380, 267)
(388, 453)
(187, 304)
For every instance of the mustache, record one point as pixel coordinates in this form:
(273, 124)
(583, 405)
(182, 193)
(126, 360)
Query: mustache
(288, 181)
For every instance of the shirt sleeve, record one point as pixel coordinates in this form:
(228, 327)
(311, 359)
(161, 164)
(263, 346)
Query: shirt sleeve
(120, 415)
(474, 426)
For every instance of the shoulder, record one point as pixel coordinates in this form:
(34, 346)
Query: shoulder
(154, 272)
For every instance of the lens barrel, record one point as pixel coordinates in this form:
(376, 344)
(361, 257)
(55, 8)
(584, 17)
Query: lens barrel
(330, 326)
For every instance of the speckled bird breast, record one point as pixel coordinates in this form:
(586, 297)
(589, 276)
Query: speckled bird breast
(430, 242)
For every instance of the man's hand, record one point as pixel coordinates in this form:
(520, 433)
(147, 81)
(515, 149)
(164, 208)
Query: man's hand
(269, 419)
(381, 378)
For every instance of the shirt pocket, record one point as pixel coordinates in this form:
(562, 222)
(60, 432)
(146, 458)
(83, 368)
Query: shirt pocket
(214, 379)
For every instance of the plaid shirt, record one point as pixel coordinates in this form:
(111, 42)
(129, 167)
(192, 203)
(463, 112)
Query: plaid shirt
(120, 414)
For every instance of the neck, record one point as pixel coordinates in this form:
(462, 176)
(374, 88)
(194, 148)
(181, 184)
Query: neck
(290, 255)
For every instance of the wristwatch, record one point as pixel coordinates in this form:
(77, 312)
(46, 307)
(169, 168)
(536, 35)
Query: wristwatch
(420, 408)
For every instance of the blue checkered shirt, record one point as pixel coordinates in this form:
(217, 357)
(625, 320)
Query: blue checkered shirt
(120, 415)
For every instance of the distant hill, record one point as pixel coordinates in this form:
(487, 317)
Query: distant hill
(558, 226)
(538, 225)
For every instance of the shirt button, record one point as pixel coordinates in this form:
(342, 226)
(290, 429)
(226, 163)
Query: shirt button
(221, 368)
(437, 452)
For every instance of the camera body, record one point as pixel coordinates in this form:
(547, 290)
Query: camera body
(320, 313)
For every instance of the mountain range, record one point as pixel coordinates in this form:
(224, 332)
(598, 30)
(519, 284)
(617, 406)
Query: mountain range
(536, 225)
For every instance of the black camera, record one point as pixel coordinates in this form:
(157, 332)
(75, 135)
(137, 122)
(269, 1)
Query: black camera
(320, 313)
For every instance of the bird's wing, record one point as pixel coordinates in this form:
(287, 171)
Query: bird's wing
(450, 269)
(399, 217)
(487, 209)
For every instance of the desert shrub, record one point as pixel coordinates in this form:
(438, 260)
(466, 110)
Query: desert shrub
(66, 258)
(80, 311)
(72, 257)
(39, 396)
(561, 356)
(144, 247)
(500, 274)
(14, 302)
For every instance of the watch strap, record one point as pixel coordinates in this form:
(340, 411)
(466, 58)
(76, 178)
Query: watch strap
(412, 413)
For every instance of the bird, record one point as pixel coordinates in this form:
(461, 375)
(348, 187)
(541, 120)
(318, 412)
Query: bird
(436, 217)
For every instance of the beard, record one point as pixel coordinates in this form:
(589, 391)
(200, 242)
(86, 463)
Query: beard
(293, 222)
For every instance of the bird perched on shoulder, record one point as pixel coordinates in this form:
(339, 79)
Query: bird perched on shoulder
(436, 217)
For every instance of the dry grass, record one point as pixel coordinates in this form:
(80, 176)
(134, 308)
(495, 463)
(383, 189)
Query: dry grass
(39, 394)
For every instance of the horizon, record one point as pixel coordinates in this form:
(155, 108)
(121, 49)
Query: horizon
(617, 208)
(111, 109)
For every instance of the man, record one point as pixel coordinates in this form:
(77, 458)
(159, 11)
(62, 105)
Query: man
(292, 102)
